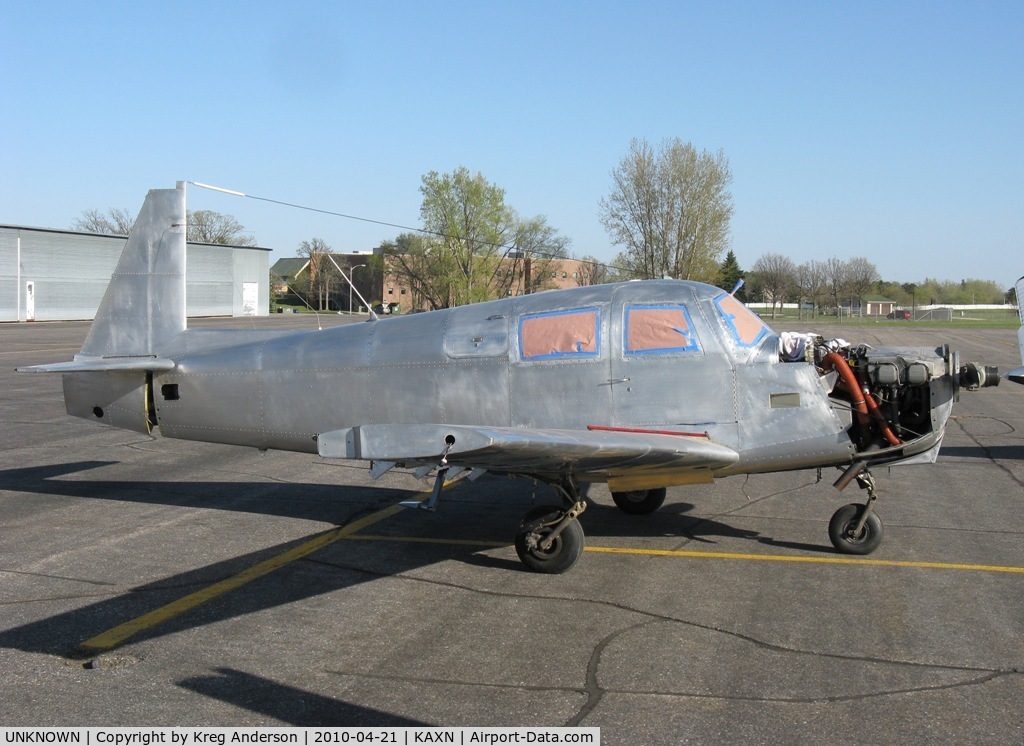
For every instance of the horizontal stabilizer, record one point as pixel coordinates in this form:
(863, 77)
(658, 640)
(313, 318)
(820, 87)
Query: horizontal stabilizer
(147, 363)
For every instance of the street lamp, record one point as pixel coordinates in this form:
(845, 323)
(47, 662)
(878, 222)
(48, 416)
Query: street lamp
(351, 282)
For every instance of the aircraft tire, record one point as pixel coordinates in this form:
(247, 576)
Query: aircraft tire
(565, 550)
(841, 525)
(640, 502)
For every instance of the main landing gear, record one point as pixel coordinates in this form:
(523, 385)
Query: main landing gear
(856, 528)
(640, 502)
(550, 539)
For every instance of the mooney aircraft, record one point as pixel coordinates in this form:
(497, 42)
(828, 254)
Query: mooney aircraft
(643, 385)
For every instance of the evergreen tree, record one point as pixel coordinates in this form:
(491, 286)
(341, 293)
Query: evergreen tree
(729, 274)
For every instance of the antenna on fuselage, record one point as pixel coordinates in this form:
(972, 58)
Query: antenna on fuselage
(739, 284)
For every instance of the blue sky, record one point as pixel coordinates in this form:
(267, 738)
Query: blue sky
(892, 130)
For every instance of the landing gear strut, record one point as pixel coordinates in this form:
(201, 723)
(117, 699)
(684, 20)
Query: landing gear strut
(550, 539)
(856, 528)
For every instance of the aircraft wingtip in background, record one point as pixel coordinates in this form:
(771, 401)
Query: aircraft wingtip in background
(1017, 374)
(641, 385)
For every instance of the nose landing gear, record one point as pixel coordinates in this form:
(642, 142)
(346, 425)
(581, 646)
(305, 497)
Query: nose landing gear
(856, 528)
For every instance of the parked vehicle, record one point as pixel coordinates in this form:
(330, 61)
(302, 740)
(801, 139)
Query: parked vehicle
(902, 315)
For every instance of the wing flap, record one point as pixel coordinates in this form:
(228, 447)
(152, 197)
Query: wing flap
(597, 454)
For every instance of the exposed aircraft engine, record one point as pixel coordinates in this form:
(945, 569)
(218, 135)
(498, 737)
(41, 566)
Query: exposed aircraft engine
(899, 395)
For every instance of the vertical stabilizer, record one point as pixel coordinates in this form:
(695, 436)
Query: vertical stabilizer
(144, 306)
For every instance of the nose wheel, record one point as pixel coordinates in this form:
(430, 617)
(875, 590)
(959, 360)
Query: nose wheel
(853, 533)
(856, 528)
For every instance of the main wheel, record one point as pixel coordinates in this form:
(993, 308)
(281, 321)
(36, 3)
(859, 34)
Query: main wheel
(841, 530)
(640, 502)
(537, 525)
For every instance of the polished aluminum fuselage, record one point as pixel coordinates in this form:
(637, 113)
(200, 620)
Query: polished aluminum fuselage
(465, 366)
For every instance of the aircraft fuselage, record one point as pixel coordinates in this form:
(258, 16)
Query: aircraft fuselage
(502, 364)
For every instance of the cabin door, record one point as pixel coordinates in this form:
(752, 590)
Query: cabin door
(667, 366)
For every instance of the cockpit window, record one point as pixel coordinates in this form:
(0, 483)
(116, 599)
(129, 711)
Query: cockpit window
(658, 329)
(744, 325)
(562, 334)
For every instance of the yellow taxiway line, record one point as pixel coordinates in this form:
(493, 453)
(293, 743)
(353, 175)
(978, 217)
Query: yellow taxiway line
(116, 636)
(685, 553)
(807, 560)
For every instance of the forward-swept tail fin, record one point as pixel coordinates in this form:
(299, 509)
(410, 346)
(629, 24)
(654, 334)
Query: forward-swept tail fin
(144, 306)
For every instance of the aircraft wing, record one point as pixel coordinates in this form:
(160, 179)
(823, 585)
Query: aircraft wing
(1017, 374)
(626, 459)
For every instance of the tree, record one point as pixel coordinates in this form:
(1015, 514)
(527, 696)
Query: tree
(469, 224)
(115, 223)
(861, 276)
(474, 247)
(835, 280)
(894, 291)
(207, 226)
(204, 226)
(813, 280)
(321, 277)
(417, 262)
(535, 244)
(802, 282)
(980, 291)
(592, 272)
(776, 274)
(729, 274)
(670, 209)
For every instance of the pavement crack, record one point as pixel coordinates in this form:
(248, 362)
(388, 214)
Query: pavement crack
(976, 681)
(48, 599)
(49, 576)
(595, 693)
(452, 682)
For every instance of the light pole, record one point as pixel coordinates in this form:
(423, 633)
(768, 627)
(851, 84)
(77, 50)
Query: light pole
(351, 282)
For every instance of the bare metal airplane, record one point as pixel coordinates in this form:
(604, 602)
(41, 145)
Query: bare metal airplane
(643, 385)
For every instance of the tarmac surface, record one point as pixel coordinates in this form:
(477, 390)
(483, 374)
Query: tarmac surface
(160, 582)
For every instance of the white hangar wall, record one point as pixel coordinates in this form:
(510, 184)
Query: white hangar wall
(52, 275)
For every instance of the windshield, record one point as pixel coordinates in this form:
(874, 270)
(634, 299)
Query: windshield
(744, 326)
